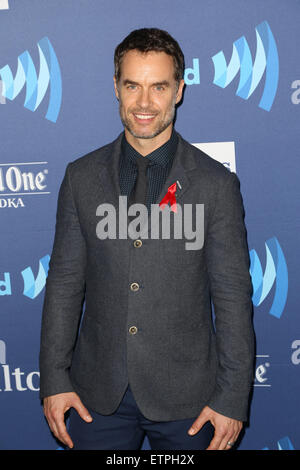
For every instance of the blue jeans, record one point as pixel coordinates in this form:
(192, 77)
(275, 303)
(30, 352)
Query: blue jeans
(126, 429)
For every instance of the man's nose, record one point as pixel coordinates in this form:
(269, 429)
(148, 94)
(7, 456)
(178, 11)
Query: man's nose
(144, 98)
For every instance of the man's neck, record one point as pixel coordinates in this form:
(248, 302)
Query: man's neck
(146, 146)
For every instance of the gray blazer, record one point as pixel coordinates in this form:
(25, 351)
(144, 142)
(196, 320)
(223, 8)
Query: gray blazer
(178, 357)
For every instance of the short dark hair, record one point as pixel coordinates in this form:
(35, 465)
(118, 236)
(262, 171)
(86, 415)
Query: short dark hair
(147, 40)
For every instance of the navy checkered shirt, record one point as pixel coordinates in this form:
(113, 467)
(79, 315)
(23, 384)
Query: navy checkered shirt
(161, 161)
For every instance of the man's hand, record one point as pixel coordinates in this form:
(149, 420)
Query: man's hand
(55, 407)
(226, 429)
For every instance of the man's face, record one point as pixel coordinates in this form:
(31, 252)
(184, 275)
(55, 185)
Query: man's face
(147, 93)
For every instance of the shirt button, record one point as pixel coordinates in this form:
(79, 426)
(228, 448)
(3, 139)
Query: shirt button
(133, 330)
(137, 243)
(134, 286)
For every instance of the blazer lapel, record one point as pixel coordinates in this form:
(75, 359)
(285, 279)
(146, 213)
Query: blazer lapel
(109, 172)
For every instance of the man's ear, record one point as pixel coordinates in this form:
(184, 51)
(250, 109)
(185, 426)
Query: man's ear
(116, 87)
(180, 91)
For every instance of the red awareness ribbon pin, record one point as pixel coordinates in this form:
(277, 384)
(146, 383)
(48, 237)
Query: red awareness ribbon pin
(170, 197)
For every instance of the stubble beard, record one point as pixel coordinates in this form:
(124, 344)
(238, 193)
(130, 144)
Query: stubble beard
(160, 127)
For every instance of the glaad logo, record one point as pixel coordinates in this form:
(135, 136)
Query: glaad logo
(32, 286)
(283, 444)
(11, 381)
(276, 269)
(36, 86)
(266, 61)
(16, 182)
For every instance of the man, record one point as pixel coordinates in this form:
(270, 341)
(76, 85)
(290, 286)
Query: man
(147, 357)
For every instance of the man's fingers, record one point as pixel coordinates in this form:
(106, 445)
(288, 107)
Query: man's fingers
(215, 443)
(198, 423)
(55, 407)
(59, 422)
(222, 436)
(57, 425)
(63, 435)
(52, 426)
(224, 444)
(82, 411)
(233, 438)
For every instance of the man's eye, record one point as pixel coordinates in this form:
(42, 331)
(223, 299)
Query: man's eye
(131, 87)
(159, 88)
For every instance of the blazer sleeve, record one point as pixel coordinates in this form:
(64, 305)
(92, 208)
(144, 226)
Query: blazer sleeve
(228, 264)
(64, 295)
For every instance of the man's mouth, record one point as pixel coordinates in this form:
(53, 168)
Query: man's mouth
(144, 117)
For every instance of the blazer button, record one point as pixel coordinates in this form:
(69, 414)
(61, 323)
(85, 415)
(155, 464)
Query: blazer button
(134, 286)
(137, 243)
(133, 330)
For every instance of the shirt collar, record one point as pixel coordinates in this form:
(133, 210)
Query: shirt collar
(160, 156)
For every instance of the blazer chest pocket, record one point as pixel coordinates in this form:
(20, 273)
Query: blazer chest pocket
(175, 252)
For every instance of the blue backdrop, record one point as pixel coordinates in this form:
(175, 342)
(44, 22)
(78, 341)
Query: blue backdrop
(57, 104)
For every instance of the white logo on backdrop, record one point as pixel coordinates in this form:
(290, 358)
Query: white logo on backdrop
(261, 371)
(16, 182)
(296, 352)
(2, 98)
(295, 98)
(223, 152)
(14, 379)
(4, 5)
